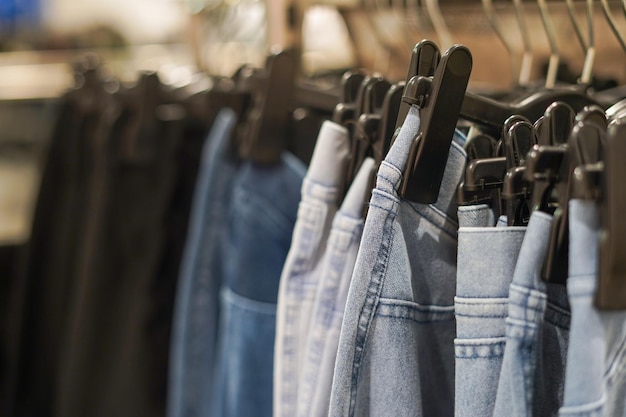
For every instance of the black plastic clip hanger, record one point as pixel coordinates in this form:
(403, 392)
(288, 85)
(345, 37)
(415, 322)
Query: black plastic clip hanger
(485, 171)
(519, 139)
(369, 101)
(611, 293)
(381, 144)
(585, 146)
(345, 110)
(368, 123)
(440, 99)
(266, 133)
(492, 114)
(425, 58)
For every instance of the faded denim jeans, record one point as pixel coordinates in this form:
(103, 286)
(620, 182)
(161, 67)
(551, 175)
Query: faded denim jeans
(330, 301)
(537, 331)
(487, 256)
(595, 378)
(255, 241)
(302, 271)
(396, 347)
(195, 322)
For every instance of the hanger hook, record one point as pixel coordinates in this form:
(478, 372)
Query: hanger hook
(439, 23)
(571, 11)
(588, 47)
(527, 58)
(609, 18)
(490, 11)
(590, 56)
(553, 66)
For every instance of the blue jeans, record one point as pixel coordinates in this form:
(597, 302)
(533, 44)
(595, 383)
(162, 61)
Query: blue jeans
(303, 268)
(396, 348)
(255, 241)
(531, 380)
(486, 261)
(195, 320)
(330, 301)
(595, 379)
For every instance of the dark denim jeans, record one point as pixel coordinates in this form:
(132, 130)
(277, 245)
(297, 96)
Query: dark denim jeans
(195, 324)
(256, 238)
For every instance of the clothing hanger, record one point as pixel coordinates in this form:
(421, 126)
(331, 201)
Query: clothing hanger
(553, 65)
(527, 57)
(491, 114)
(588, 47)
(373, 93)
(611, 21)
(425, 58)
(560, 137)
(611, 292)
(519, 139)
(345, 109)
(439, 98)
(383, 121)
(571, 11)
(265, 133)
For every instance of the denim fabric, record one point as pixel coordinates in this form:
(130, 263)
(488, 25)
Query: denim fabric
(595, 382)
(255, 243)
(531, 379)
(196, 311)
(486, 262)
(396, 348)
(302, 271)
(330, 301)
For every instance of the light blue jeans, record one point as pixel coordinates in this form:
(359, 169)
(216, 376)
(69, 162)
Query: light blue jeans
(330, 300)
(195, 320)
(302, 271)
(531, 380)
(595, 379)
(396, 348)
(486, 262)
(255, 241)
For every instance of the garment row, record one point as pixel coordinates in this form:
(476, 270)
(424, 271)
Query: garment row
(415, 309)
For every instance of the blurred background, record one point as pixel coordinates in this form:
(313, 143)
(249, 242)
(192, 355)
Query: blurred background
(40, 38)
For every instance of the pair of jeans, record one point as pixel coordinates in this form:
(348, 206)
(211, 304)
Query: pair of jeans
(303, 268)
(396, 348)
(595, 378)
(537, 332)
(487, 256)
(48, 271)
(115, 361)
(195, 323)
(330, 300)
(255, 242)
